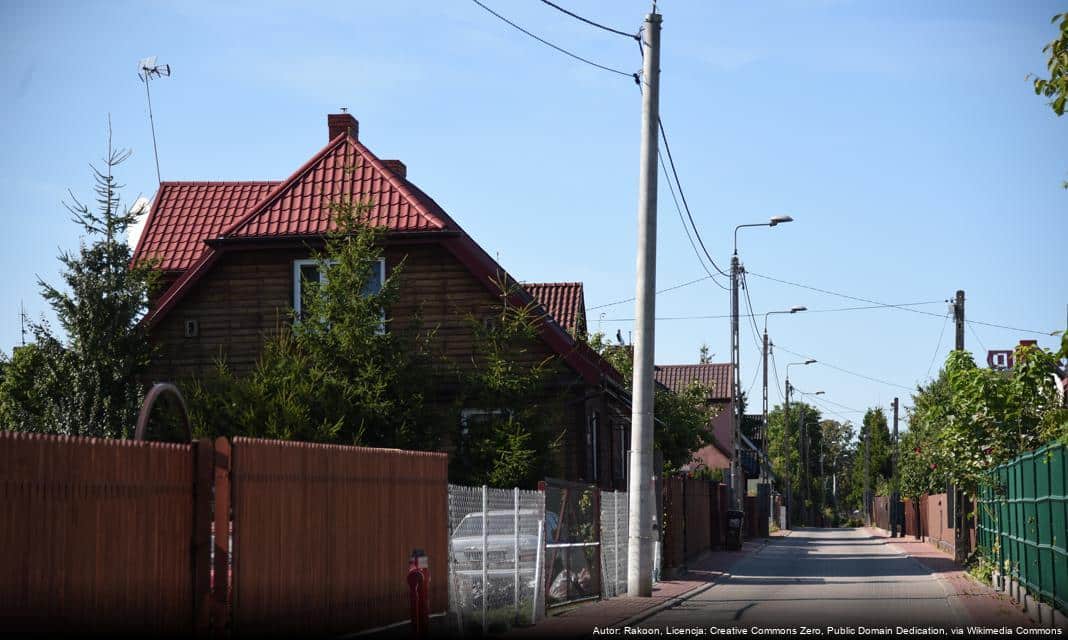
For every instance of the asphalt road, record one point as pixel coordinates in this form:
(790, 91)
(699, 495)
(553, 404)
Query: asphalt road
(821, 578)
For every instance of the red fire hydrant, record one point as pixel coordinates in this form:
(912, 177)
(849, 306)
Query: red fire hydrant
(419, 592)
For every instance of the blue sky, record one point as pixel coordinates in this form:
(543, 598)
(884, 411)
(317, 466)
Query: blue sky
(901, 136)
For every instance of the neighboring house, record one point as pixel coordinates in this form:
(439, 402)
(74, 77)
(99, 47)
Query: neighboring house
(717, 377)
(233, 255)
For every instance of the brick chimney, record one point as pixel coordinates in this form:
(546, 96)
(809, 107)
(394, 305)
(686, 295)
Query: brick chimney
(339, 123)
(397, 167)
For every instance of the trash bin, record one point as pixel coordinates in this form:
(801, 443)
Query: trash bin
(735, 520)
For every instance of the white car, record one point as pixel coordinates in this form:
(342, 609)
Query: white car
(466, 543)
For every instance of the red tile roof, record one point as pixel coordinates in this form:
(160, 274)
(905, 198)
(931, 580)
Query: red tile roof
(564, 301)
(184, 214)
(178, 228)
(343, 171)
(679, 376)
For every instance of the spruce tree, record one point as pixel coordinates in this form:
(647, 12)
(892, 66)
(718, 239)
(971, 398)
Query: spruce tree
(85, 380)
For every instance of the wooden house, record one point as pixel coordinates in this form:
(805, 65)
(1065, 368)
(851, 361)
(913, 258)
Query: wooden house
(232, 256)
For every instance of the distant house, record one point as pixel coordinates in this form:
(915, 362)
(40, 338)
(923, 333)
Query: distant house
(233, 256)
(717, 377)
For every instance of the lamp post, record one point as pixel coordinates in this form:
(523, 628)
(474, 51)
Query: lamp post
(806, 466)
(767, 344)
(786, 441)
(736, 391)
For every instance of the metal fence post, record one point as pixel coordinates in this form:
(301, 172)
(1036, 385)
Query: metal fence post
(615, 542)
(538, 580)
(515, 552)
(485, 549)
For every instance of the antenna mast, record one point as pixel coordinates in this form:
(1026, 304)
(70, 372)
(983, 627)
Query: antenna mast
(147, 68)
(22, 322)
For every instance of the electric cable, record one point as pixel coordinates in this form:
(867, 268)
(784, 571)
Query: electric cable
(591, 22)
(894, 306)
(937, 346)
(852, 373)
(558, 48)
(671, 288)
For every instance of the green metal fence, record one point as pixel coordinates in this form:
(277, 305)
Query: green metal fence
(1023, 522)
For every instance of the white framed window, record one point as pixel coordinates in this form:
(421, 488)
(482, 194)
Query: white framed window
(307, 270)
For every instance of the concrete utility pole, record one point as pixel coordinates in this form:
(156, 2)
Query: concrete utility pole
(867, 477)
(895, 490)
(786, 456)
(961, 543)
(736, 391)
(642, 500)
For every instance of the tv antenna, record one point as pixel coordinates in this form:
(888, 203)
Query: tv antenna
(146, 70)
(22, 322)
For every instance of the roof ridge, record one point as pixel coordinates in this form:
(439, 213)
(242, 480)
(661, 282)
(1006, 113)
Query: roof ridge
(281, 186)
(401, 184)
(216, 182)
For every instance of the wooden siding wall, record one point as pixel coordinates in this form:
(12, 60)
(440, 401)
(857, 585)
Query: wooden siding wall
(96, 536)
(248, 293)
(335, 527)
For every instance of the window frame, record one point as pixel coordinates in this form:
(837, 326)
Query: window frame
(298, 287)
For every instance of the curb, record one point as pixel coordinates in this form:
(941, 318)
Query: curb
(679, 599)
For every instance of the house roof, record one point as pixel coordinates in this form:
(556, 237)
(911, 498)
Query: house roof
(564, 301)
(192, 224)
(344, 170)
(184, 214)
(679, 376)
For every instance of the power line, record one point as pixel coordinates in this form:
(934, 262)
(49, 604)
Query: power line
(847, 408)
(674, 171)
(775, 368)
(852, 373)
(894, 306)
(686, 228)
(754, 315)
(558, 48)
(671, 288)
(977, 338)
(591, 22)
(937, 346)
(756, 374)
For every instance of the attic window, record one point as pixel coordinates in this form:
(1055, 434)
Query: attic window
(308, 271)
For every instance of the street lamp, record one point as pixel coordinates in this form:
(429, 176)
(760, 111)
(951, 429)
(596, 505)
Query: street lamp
(736, 392)
(786, 438)
(795, 309)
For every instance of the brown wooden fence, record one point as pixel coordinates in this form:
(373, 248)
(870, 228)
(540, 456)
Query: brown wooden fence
(322, 534)
(694, 519)
(97, 536)
(110, 536)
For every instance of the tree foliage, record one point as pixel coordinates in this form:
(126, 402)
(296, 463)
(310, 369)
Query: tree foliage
(84, 380)
(874, 437)
(342, 372)
(971, 419)
(683, 420)
(1055, 87)
(510, 432)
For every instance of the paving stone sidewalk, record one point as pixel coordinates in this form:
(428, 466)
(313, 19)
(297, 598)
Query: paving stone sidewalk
(982, 604)
(613, 612)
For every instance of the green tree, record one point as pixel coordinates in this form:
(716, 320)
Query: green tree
(343, 372)
(507, 428)
(84, 380)
(874, 433)
(837, 440)
(1055, 87)
(683, 420)
(785, 447)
